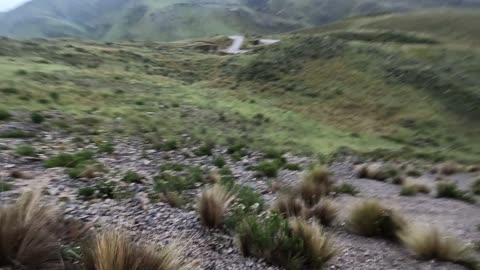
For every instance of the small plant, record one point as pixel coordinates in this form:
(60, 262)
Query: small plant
(476, 186)
(377, 171)
(448, 168)
(132, 177)
(292, 167)
(4, 186)
(212, 205)
(68, 160)
(174, 199)
(446, 189)
(219, 162)
(290, 206)
(87, 192)
(346, 188)
(25, 150)
(16, 134)
(325, 211)
(371, 219)
(408, 190)
(37, 118)
(316, 184)
(428, 243)
(171, 166)
(169, 145)
(268, 168)
(205, 150)
(107, 147)
(292, 245)
(4, 115)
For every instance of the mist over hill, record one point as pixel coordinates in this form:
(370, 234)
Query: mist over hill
(182, 19)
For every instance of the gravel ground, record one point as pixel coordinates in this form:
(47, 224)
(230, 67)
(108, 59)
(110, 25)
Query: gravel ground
(160, 223)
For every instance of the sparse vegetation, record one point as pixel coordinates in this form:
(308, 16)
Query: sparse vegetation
(292, 167)
(4, 115)
(325, 211)
(476, 186)
(408, 190)
(68, 160)
(4, 186)
(268, 168)
(377, 171)
(212, 205)
(107, 147)
(132, 177)
(219, 162)
(37, 118)
(346, 188)
(371, 219)
(288, 205)
(16, 134)
(448, 189)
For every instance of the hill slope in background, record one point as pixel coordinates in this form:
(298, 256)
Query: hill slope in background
(371, 87)
(181, 19)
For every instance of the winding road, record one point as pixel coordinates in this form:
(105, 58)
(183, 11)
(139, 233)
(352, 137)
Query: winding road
(238, 42)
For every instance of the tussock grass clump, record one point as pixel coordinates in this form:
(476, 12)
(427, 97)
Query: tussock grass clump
(212, 205)
(291, 244)
(346, 188)
(174, 199)
(325, 211)
(268, 168)
(113, 250)
(316, 184)
(447, 189)
(376, 171)
(408, 190)
(27, 238)
(411, 188)
(68, 160)
(371, 219)
(37, 118)
(447, 168)
(107, 147)
(132, 177)
(25, 150)
(476, 186)
(429, 242)
(16, 134)
(219, 162)
(289, 205)
(4, 115)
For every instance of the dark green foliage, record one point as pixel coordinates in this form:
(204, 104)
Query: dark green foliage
(219, 162)
(205, 149)
(4, 186)
(171, 166)
(166, 182)
(292, 167)
(268, 168)
(236, 148)
(86, 192)
(68, 160)
(16, 134)
(450, 190)
(102, 190)
(273, 154)
(75, 172)
(132, 177)
(346, 188)
(476, 186)
(408, 190)
(169, 145)
(413, 173)
(25, 150)
(4, 115)
(108, 148)
(37, 118)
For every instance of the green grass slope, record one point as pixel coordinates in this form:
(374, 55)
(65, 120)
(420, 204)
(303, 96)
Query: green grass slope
(184, 19)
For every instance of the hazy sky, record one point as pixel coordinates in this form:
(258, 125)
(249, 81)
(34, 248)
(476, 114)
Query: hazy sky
(9, 4)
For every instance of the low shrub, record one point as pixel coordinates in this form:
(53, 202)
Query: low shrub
(4, 115)
(316, 184)
(219, 162)
(205, 150)
(107, 147)
(16, 134)
(25, 150)
(174, 199)
(346, 188)
(429, 243)
(448, 168)
(68, 160)
(268, 168)
(87, 192)
(292, 245)
(37, 118)
(132, 177)
(289, 205)
(377, 171)
(371, 219)
(212, 205)
(172, 166)
(446, 189)
(101, 190)
(408, 190)
(325, 211)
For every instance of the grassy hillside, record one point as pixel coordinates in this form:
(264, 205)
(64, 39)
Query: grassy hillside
(183, 19)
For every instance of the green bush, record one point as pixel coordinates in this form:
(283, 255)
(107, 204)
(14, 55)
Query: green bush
(25, 150)
(69, 160)
(268, 168)
(236, 148)
(219, 162)
(108, 148)
(292, 167)
(450, 190)
(292, 245)
(37, 118)
(205, 149)
(168, 145)
(16, 134)
(4, 115)
(346, 188)
(132, 177)
(87, 192)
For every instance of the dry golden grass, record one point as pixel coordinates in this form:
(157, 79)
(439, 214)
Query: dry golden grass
(214, 178)
(113, 250)
(174, 199)
(316, 184)
(289, 205)
(276, 185)
(27, 235)
(429, 242)
(449, 168)
(419, 186)
(318, 247)
(325, 211)
(372, 219)
(212, 205)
